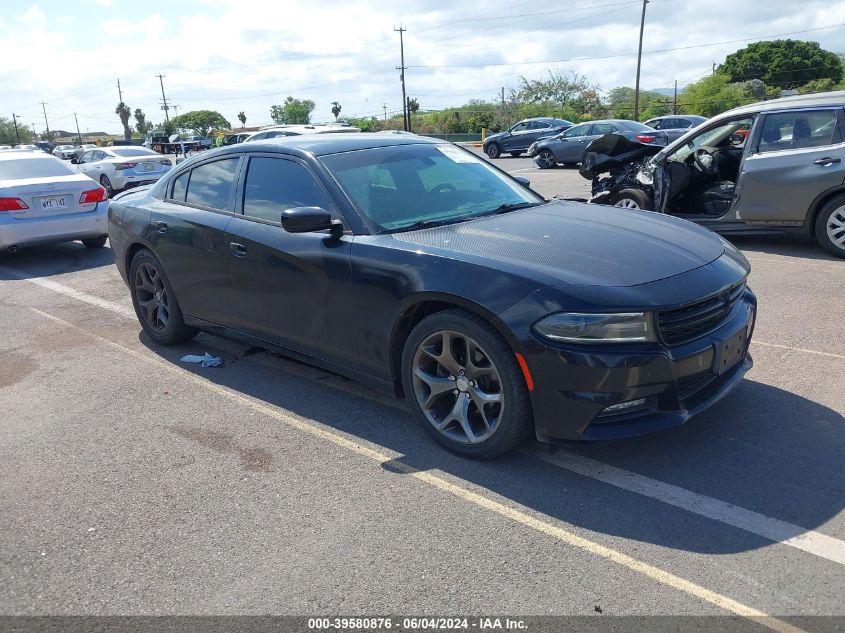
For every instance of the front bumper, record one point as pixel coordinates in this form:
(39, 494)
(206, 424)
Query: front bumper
(573, 385)
(51, 229)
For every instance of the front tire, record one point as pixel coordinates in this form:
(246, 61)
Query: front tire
(493, 150)
(546, 159)
(830, 226)
(464, 385)
(104, 180)
(632, 199)
(155, 302)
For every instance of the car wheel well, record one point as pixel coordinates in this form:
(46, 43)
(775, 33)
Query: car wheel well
(409, 319)
(130, 254)
(817, 206)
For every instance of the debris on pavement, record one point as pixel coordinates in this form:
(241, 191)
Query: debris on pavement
(207, 360)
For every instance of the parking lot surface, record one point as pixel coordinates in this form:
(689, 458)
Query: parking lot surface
(133, 483)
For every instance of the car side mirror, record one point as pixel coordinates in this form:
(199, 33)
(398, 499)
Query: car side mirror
(310, 220)
(74, 161)
(522, 180)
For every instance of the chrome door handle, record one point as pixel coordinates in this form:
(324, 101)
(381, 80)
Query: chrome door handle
(827, 161)
(237, 250)
(162, 226)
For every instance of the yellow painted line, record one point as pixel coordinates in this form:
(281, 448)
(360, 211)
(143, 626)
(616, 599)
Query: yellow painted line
(797, 349)
(516, 514)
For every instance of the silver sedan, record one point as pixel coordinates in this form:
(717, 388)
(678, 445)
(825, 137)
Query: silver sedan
(119, 168)
(42, 199)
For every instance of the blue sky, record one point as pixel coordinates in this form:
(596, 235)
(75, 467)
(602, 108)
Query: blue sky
(232, 55)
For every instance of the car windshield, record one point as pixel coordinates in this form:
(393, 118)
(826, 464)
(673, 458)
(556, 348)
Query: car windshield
(403, 187)
(714, 137)
(33, 168)
(132, 151)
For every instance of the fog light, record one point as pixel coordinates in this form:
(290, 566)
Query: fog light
(624, 406)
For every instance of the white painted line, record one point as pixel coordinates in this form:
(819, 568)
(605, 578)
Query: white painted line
(820, 545)
(795, 261)
(770, 528)
(71, 292)
(798, 349)
(549, 526)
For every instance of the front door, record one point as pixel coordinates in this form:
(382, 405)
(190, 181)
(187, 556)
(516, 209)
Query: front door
(572, 144)
(291, 287)
(798, 155)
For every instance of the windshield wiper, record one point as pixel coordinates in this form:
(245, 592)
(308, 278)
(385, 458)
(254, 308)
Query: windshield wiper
(511, 206)
(425, 224)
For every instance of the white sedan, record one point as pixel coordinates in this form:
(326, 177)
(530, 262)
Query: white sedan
(44, 200)
(65, 152)
(119, 168)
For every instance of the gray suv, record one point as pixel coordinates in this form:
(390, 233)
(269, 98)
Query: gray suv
(518, 138)
(774, 166)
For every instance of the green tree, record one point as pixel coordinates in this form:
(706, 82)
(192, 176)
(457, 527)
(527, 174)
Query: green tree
(294, 111)
(783, 63)
(141, 123)
(242, 118)
(713, 94)
(817, 85)
(7, 132)
(413, 106)
(565, 89)
(336, 109)
(619, 103)
(200, 122)
(122, 110)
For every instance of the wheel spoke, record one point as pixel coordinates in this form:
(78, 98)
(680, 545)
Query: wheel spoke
(460, 414)
(473, 370)
(437, 386)
(149, 307)
(146, 283)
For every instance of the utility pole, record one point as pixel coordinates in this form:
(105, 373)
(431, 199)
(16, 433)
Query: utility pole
(119, 91)
(675, 101)
(408, 107)
(401, 30)
(165, 107)
(34, 133)
(44, 107)
(17, 136)
(503, 96)
(639, 62)
(384, 105)
(713, 71)
(78, 135)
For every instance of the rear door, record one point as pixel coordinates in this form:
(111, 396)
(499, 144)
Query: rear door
(796, 156)
(188, 234)
(291, 288)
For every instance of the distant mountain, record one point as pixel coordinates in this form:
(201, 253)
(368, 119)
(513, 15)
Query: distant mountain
(666, 92)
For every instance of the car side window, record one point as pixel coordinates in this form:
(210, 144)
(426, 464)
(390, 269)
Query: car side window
(799, 129)
(656, 124)
(98, 155)
(578, 130)
(85, 158)
(276, 184)
(520, 127)
(211, 184)
(601, 128)
(180, 186)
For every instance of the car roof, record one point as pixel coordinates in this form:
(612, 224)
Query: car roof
(320, 144)
(25, 155)
(828, 99)
(678, 116)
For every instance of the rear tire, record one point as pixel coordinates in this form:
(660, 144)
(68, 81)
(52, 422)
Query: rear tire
(633, 199)
(473, 400)
(155, 302)
(830, 226)
(493, 150)
(96, 242)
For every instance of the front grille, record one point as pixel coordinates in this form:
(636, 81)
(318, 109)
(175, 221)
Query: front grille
(692, 321)
(691, 385)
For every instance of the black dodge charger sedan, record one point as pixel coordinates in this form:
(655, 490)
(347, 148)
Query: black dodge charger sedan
(414, 265)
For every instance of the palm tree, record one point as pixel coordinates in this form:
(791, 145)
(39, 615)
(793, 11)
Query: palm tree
(335, 109)
(122, 110)
(242, 118)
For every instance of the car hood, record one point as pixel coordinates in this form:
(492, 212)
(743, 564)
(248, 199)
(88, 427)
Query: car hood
(493, 137)
(575, 243)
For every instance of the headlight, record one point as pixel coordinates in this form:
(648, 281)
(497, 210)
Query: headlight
(573, 327)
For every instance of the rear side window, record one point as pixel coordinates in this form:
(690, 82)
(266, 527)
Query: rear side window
(276, 184)
(211, 184)
(180, 186)
(602, 128)
(578, 130)
(800, 129)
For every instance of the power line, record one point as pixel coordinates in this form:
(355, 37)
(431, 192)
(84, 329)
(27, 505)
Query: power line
(659, 50)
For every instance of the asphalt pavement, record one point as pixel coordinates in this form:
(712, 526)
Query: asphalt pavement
(133, 483)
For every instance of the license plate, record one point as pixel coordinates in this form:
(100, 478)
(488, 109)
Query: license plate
(149, 166)
(53, 203)
(729, 352)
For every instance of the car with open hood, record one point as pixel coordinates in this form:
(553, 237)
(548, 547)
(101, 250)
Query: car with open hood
(518, 138)
(416, 266)
(771, 167)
